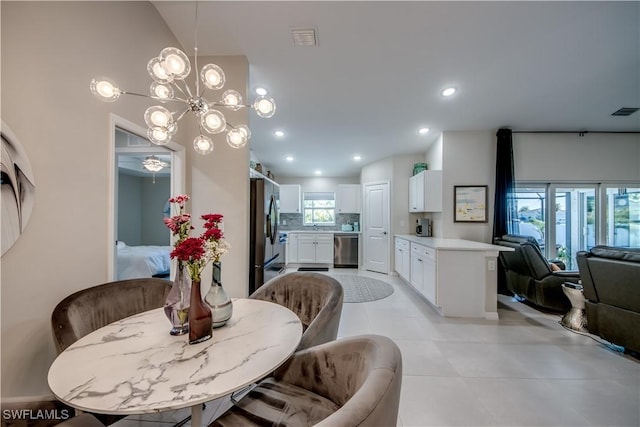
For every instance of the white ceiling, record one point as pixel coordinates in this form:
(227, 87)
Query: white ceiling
(376, 74)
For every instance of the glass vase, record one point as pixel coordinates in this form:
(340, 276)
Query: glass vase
(217, 299)
(176, 306)
(199, 316)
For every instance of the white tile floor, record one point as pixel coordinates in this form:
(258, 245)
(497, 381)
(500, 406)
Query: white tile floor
(522, 370)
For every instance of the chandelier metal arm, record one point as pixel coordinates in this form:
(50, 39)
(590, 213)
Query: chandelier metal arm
(186, 110)
(174, 84)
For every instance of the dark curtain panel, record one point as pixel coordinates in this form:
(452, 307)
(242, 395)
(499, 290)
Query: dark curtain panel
(504, 206)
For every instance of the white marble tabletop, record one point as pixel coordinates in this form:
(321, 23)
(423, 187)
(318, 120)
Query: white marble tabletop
(134, 366)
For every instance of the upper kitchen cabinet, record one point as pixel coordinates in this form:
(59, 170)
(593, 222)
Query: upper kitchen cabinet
(425, 192)
(348, 198)
(290, 196)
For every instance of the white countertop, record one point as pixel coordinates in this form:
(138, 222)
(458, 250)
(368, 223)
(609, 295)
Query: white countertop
(452, 244)
(319, 232)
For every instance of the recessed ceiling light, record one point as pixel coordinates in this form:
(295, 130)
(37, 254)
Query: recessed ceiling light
(357, 158)
(449, 91)
(422, 131)
(261, 91)
(289, 158)
(318, 172)
(279, 133)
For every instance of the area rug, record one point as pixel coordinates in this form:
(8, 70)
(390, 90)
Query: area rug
(363, 289)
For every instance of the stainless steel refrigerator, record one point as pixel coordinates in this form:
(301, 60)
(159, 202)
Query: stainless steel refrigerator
(266, 254)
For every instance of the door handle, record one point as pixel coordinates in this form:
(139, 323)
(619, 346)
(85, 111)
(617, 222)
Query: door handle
(384, 233)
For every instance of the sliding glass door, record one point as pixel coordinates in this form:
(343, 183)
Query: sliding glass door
(623, 216)
(575, 219)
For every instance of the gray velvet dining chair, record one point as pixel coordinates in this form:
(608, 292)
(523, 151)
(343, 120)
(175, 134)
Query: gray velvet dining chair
(350, 382)
(89, 309)
(315, 298)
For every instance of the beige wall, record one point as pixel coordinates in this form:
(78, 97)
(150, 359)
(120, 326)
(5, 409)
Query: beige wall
(468, 158)
(50, 52)
(594, 157)
(219, 183)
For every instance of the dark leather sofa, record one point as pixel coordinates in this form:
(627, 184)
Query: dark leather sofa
(611, 282)
(529, 276)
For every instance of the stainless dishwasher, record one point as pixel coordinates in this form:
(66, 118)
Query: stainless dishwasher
(345, 250)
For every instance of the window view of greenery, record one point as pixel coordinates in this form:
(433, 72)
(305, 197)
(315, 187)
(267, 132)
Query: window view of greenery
(319, 209)
(530, 208)
(576, 218)
(575, 222)
(623, 217)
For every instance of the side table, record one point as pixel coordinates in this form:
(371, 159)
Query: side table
(575, 318)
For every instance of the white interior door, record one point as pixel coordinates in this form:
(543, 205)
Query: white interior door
(376, 227)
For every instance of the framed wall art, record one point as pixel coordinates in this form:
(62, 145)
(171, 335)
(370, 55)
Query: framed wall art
(470, 203)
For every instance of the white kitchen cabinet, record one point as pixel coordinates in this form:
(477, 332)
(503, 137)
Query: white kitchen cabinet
(402, 258)
(348, 198)
(324, 248)
(292, 248)
(425, 191)
(458, 277)
(423, 271)
(290, 198)
(315, 248)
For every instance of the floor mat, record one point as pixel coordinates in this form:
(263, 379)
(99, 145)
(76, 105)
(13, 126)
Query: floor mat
(313, 269)
(363, 289)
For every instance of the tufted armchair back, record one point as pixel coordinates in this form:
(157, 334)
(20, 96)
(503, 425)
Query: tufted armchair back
(315, 298)
(89, 309)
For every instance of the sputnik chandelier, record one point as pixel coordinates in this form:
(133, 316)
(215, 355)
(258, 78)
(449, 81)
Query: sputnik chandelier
(169, 71)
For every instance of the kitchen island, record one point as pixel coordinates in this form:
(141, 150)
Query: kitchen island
(457, 277)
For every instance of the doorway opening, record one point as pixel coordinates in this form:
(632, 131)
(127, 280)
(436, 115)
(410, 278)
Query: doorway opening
(140, 242)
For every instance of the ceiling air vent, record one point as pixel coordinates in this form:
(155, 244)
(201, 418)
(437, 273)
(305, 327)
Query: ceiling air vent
(304, 37)
(625, 111)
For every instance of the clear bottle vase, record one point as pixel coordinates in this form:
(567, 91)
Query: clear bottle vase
(199, 316)
(176, 306)
(217, 299)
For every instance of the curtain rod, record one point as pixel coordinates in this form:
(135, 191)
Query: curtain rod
(579, 132)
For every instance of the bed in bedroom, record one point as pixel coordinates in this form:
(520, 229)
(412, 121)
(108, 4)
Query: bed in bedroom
(142, 261)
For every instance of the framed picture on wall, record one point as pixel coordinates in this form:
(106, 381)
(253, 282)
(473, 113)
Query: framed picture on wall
(470, 203)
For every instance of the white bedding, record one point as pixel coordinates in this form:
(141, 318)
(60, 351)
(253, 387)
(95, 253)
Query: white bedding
(142, 261)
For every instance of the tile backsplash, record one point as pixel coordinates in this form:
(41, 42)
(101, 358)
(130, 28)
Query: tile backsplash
(293, 221)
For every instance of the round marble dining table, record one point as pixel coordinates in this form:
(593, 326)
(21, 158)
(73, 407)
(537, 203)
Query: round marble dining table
(134, 366)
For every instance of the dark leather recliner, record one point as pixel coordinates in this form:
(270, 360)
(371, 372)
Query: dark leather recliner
(529, 276)
(611, 283)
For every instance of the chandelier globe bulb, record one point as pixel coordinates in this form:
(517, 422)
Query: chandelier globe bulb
(158, 116)
(158, 136)
(105, 90)
(244, 129)
(203, 145)
(212, 76)
(232, 99)
(265, 107)
(175, 62)
(157, 72)
(161, 91)
(236, 138)
(213, 121)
